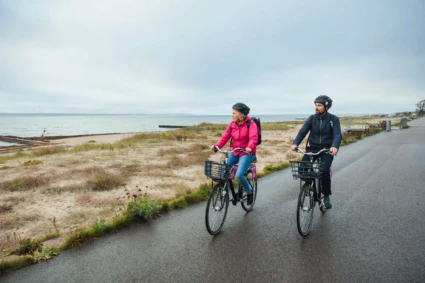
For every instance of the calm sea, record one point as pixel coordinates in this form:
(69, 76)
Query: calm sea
(33, 125)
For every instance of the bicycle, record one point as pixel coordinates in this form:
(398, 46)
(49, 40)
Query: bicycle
(310, 175)
(218, 200)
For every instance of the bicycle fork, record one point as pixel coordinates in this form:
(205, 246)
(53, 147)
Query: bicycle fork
(318, 195)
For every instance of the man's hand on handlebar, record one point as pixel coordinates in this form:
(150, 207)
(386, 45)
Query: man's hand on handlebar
(333, 150)
(294, 148)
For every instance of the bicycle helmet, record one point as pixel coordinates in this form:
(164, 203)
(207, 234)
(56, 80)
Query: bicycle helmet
(241, 108)
(325, 100)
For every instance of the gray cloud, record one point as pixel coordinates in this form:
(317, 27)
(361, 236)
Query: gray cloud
(202, 56)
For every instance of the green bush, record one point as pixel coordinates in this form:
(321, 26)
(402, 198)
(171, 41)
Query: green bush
(178, 203)
(44, 253)
(142, 209)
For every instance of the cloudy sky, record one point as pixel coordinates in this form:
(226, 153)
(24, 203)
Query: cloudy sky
(200, 57)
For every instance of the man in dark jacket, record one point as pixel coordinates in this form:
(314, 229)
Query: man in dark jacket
(325, 132)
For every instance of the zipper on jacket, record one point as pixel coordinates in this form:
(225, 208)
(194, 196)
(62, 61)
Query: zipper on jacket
(320, 140)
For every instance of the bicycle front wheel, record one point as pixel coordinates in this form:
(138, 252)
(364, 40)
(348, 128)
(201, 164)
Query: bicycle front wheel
(305, 209)
(216, 212)
(253, 185)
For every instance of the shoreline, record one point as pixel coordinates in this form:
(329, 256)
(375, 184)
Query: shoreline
(30, 142)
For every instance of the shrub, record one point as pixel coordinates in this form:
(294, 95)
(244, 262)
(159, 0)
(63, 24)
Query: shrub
(44, 254)
(5, 167)
(178, 203)
(29, 182)
(32, 162)
(105, 182)
(15, 185)
(142, 209)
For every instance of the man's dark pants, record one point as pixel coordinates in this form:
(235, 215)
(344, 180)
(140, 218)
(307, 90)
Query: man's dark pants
(325, 167)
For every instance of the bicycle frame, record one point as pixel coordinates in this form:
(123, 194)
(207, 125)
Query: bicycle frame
(228, 183)
(317, 182)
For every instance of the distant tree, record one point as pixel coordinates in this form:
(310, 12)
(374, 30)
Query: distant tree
(420, 107)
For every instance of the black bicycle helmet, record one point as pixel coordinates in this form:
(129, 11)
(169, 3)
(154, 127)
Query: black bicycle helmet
(325, 100)
(241, 108)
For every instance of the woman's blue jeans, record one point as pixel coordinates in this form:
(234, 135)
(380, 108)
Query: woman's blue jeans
(244, 162)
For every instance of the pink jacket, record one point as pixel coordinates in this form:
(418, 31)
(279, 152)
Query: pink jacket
(240, 136)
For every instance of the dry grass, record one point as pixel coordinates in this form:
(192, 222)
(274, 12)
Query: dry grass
(292, 156)
(49, 150)
(158, 172)
(190, 159)
(25, 183)
(181, 189)
(15, 221)
(15, 200)
(272, 142)
(5, 208)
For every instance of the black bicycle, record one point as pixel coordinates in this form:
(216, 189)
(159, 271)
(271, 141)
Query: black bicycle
(218, 201)
(310, 175)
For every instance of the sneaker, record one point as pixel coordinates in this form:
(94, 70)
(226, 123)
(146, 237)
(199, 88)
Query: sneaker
(328, 203)
(250, 198)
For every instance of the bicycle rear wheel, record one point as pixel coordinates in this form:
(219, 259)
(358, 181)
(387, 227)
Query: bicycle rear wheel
(253, 185)
(216, 212)
(305, 209)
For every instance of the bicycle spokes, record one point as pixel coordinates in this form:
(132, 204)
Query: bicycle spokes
(217, 205)
(305, 209)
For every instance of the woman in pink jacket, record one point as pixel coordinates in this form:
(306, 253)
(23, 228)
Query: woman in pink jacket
(243, 137)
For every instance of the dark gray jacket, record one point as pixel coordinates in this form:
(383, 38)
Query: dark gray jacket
(325, 131)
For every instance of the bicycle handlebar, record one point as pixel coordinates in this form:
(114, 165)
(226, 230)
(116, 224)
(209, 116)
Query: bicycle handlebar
(311, 153)
(216, 148)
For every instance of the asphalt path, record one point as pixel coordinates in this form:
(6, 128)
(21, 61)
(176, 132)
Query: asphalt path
(374, 233)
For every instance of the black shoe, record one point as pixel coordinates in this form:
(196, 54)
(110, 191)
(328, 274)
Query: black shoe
(250, 198)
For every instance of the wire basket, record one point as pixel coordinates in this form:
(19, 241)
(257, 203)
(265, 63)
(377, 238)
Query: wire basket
(215, 170)
(306, 170)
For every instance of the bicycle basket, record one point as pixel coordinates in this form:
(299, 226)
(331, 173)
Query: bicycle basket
(215, 170)
(306, 170)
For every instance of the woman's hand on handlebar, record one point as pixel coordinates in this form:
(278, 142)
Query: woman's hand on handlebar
(214, 148)
(248, 149)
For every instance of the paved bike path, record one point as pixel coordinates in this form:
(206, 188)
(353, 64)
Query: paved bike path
(375, 232)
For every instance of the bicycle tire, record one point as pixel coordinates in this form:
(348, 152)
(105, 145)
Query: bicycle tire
(305, 209)
(216, 211)
(253, 184)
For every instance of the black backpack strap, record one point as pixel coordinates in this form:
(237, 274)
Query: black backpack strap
(311, 127)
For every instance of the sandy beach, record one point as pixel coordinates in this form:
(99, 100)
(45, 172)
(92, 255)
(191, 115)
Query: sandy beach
(107, 138)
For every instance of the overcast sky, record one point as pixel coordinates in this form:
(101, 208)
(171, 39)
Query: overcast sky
(201, 57)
